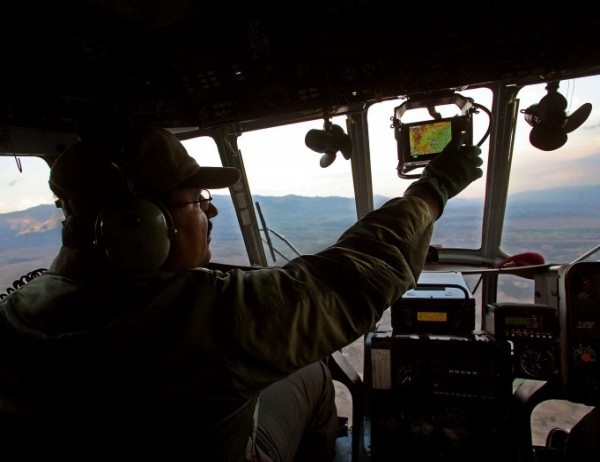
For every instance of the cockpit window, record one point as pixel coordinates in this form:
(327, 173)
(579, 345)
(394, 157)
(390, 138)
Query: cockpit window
(30, 223)
(305, 207)
(552, 205)
(461, 225)
(227, 245)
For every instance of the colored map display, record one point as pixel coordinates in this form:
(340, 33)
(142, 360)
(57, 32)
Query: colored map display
(429, 138)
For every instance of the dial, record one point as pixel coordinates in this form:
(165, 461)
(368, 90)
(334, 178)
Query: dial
(538, 362)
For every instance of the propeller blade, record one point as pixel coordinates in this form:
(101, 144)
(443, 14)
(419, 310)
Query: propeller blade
(578, 117)
(547, 140)
(327, 159)
(318, 140)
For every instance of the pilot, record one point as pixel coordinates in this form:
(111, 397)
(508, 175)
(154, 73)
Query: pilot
(130, 347)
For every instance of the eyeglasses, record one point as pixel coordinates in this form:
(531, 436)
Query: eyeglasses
(203, 200)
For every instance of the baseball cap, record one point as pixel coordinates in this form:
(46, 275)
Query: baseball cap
(151, 160)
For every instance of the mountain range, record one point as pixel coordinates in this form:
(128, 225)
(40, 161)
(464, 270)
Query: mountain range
(30, 238)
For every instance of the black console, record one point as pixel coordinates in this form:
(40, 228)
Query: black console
(439, 397)
(437, 389)
(440, 304)
(579, 307)
(533, 332)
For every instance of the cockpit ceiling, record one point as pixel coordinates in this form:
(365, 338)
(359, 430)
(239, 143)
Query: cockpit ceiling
(206, 63)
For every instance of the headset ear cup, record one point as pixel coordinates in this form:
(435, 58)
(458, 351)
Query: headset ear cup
(134, 233)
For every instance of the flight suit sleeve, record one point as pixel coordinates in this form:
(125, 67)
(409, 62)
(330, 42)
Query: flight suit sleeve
(285, 318)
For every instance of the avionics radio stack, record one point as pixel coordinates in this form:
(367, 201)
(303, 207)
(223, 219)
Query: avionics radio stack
(438, 389)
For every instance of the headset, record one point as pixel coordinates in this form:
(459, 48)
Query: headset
(134, 231)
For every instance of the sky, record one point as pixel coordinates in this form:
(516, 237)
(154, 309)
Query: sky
(268, 154)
